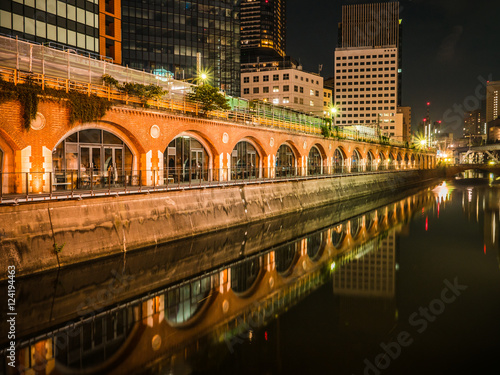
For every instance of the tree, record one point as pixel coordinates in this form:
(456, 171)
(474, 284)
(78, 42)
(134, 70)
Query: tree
(209, 97)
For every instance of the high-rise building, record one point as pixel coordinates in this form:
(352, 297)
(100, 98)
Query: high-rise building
(473, 123)
(181, 38)
(492, 91)
(368, 67)
(263, 29)
(63, 24)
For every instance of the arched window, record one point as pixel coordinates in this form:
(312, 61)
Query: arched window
(183, 302)
(338, 235)
(315, 162)
(244, 275)
(315, 245)
(285, 162)
(338, 161)
(285, 257)
(355, 162)
(391, 163)
(245, 161)
(185, 159)
(400, 162)
(381, 164)
(92, 157)
(369, 162)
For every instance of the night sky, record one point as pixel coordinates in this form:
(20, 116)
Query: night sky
(450, 47)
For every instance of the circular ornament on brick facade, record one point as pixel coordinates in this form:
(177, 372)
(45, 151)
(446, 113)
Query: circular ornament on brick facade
(305, 145)
(156, 342)
(225, 138)
(271, 282)
(38, 122)
(155, 131)
(271, 142)
(225, 306)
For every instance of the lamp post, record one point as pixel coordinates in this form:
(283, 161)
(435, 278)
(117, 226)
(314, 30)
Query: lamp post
(333, 112)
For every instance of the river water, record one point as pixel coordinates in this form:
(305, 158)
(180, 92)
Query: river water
(394, 284)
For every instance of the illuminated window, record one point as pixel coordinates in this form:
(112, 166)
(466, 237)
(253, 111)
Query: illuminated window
(276, 89)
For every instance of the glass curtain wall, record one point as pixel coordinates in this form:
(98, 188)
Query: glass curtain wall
(176, 38)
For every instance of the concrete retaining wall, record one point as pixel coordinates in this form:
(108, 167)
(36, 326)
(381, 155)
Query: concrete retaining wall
(42, 236)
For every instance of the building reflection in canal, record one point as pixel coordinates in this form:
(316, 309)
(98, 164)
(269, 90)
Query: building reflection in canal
(170, 327)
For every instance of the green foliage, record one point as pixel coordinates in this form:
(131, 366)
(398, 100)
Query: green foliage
(325, 131)
(58, 248)
(110, 81)
(209, 97)
(86, 108)
(143, 92)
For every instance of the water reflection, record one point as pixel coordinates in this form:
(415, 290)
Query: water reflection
(226, 305)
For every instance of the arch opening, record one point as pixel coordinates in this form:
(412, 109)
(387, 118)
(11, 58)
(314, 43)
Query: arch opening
(92, 158)
(355, 161)
(338, 161)
(315, 162)
(186, 160)
(285, 162)
(245, 161)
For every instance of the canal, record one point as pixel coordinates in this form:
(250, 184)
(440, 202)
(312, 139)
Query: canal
(397, 283)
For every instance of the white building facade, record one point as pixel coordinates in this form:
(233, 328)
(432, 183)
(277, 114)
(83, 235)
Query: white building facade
(366, 89)
(292, 88)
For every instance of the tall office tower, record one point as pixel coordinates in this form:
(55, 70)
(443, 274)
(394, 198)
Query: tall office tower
(263, 30)
(368, 67)
(473, 123)
(492, 90)
(180, 38)
(63, 24)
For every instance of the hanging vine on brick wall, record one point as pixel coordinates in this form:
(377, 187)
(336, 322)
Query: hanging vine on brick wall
(82, 107)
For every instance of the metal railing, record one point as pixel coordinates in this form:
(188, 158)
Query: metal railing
(39, 186)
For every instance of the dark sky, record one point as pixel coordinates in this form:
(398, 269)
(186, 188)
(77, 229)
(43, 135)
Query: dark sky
(450, 48)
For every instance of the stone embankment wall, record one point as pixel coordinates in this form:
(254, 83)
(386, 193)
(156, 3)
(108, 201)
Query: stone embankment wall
(43, 236)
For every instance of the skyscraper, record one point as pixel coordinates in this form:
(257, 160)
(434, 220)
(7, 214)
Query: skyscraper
(492, 91)
(179, 38)
(263, 29)
(473, 123)
(74, 24)
(368, 67)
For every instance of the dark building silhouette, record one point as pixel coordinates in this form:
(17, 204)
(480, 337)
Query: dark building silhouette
(263, 30)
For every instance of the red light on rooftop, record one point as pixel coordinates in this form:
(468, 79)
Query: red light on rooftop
(428, 103)
(425, 119)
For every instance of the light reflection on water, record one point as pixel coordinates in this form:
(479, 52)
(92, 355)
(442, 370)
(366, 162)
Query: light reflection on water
(277, 312)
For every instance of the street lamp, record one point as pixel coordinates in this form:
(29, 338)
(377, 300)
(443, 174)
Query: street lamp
(333, 112)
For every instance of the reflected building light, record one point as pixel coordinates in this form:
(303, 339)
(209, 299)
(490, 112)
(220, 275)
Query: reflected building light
(493, 227)
(469, 195)
(426, 223)
(477, 210)
(441, 192)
